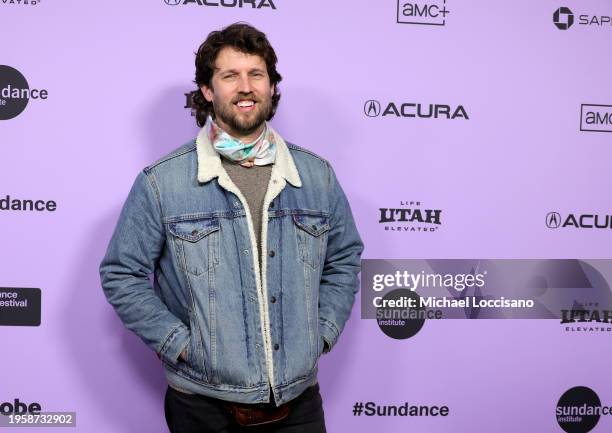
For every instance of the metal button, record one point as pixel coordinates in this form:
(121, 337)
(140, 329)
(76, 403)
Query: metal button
(193, 233)
(314, 227)
(273, 299)
(276, 346)
(272, 204)
(245, 251)
(271, 253)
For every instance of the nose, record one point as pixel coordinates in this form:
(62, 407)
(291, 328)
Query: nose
(244, 84)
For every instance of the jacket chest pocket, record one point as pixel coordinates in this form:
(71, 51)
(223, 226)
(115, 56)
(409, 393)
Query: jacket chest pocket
(311, 232)
(197, 244)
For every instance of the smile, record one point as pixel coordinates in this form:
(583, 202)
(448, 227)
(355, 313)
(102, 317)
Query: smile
(245, 105)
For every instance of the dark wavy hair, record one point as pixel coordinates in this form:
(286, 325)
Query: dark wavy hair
(244, 38)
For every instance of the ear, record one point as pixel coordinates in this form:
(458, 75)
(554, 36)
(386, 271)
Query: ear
(272, 88)
(207, 92)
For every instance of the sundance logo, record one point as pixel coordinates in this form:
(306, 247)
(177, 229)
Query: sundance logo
(432, 13)
(596, 118)
(554, 220)
(373, 108)
(254, 4)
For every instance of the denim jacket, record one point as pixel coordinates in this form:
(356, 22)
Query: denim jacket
(245, 332)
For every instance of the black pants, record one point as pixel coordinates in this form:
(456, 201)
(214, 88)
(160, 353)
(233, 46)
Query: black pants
(191, 413)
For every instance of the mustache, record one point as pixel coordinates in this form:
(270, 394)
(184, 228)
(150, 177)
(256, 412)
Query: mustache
(243, 96)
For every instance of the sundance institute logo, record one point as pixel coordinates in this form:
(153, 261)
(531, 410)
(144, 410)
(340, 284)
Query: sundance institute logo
(15, 93)
(579, 410)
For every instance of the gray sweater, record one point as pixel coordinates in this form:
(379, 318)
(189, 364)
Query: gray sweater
(252, 183)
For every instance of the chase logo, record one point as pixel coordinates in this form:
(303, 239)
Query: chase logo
(432, 13)
(371, 108)
(563, 18)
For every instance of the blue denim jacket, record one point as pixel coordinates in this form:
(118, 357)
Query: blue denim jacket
(187, 223)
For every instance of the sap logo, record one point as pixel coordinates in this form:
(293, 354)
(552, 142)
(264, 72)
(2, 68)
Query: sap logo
(589, 20)
(563, 18)
(373, 108)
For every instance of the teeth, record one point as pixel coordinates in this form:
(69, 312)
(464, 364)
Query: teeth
(245, 103)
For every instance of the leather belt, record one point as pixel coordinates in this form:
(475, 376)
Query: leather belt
(266, 413)
(253, 415)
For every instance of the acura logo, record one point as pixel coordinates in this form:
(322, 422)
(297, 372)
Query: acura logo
(371, 108)
(553, 220)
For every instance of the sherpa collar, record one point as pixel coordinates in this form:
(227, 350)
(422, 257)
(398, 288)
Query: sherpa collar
(209, 161)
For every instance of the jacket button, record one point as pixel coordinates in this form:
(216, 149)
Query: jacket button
(272, 204)
(193, 233)
(276, 346)
(314, 227)
(273, 299)
(271, 253)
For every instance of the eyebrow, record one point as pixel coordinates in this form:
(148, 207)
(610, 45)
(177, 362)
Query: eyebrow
(227, 71)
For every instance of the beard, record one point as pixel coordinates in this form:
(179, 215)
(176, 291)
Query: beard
(243, 123)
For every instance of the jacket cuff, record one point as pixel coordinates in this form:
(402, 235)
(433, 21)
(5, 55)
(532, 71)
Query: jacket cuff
(174, 344)
(329, 332)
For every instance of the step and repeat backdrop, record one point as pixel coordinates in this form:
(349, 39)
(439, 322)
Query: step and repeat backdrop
(472, 138)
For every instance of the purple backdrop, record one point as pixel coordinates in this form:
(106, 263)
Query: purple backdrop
(116, 73)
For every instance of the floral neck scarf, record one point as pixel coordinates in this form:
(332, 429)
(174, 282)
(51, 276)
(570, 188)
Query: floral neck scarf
(261, 151)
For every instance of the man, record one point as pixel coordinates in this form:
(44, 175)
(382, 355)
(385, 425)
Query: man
(253, 248)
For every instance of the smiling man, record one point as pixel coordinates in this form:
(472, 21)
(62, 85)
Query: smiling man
(254, 252)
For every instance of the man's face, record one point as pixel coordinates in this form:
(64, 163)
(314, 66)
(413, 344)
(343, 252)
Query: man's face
(240, 92)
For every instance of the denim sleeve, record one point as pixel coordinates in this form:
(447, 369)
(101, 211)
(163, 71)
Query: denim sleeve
(132, 254)
(339, 282)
